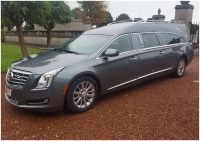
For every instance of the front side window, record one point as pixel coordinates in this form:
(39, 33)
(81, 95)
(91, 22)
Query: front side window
(150, 40)
(123, 43)
(171, 38)
(84, 44)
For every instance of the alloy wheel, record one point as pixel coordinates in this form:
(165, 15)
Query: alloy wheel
(83, 94)
(181, 67)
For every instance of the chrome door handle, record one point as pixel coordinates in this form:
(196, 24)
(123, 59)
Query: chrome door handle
(133, 58)
(161, 52)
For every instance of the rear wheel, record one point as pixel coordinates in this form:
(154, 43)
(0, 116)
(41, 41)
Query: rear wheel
(180, 69)
(81, 95)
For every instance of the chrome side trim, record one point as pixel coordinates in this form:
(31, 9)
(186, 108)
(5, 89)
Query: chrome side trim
(171, 45)
(127, 51)
(138, 78)
(140, 40)
(177, 44)
(122, 84)
(154, 73)
(149, 48)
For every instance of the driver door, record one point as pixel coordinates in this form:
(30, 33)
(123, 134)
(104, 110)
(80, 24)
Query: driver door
(119, 70)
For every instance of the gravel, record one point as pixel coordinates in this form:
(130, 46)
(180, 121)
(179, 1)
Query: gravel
(163, 108)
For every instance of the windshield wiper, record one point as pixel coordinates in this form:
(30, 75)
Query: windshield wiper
(68, 51)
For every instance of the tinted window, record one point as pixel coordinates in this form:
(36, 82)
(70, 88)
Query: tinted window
(84, 44)
(171, 38)
(150, 40)
(123, 43)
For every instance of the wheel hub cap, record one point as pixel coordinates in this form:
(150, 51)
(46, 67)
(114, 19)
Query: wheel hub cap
(83, 94)
(181, 67)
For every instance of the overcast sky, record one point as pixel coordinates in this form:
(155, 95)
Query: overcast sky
(145, 9)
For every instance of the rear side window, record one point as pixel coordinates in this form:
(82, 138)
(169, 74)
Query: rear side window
(123, 43)
(171, 38)
(150, 40)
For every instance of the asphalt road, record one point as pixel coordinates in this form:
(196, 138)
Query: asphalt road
(164, 108)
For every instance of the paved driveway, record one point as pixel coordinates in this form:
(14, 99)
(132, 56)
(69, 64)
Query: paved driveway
(165, 108)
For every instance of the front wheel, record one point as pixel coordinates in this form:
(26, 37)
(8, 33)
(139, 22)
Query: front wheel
(180, 69)
(81, 95)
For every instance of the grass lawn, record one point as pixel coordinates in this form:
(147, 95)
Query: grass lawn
(10, 53)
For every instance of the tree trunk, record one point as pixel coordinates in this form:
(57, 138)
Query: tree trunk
(21, 40)
(49, 37)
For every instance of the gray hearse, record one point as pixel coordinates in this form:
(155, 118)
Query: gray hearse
(73, 75)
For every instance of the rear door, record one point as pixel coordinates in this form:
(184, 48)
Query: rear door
(175, 46)
(152, 56)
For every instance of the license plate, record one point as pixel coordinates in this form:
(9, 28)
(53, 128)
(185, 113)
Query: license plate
(8, 91)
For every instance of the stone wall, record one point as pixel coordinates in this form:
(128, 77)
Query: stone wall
(38, 41)
(75, 25)
(39, 37)
(60, 34)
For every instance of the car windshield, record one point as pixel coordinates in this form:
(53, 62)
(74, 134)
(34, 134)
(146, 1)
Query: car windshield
(84, 44)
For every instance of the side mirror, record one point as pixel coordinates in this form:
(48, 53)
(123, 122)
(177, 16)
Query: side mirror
(111, 52)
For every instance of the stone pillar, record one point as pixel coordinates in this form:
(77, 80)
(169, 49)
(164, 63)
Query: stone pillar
(159, 16)
(184, 13)
(5, 28)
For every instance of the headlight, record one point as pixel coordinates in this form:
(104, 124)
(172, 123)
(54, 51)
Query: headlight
(47, 78)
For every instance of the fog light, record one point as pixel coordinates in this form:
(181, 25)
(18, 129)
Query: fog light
(46, 100)
(38, 102)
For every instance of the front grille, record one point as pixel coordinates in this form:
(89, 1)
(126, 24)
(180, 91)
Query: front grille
(16, 77)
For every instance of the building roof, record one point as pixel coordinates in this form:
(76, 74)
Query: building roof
(156, 17)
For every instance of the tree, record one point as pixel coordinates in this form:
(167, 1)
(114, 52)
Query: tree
(122, 17)
(149, 19)
(109, 19)
(19, 11)
(6, 22)
(28, 26)
(60, 14)
(95, 11)
(137, 19)
(75, 12)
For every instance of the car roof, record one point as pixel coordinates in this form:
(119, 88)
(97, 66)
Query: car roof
(110, 29)
(133, 27)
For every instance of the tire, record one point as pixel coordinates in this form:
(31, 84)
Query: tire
(81, 95)
(180, 69)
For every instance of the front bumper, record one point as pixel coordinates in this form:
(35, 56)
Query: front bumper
(53, 97)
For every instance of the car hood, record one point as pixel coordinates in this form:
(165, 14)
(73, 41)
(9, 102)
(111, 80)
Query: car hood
(46, 61)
